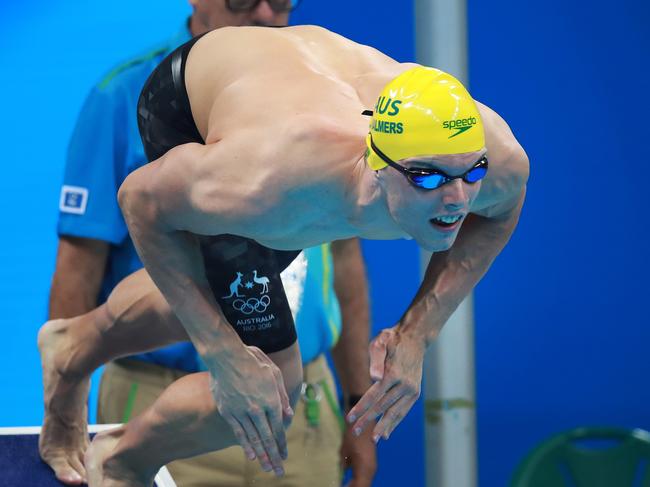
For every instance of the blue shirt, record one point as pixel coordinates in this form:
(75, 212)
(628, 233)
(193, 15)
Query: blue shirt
(104, 148)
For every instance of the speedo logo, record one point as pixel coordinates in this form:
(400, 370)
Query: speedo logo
(383, 104)
(460, 126)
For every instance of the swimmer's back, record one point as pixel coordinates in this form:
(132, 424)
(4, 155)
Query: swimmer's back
(252, 74)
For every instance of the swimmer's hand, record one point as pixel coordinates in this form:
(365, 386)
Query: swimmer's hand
(250, 395)
(396, 366)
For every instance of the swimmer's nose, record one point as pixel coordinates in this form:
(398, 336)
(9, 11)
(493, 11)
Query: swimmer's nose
(454, 195)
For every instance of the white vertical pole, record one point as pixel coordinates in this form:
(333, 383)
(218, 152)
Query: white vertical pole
(449, 385)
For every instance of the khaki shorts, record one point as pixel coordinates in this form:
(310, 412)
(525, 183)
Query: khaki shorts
(130, 386)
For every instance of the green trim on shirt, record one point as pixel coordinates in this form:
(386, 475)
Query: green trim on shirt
(128, 64)
(130, 402)
(327, 298)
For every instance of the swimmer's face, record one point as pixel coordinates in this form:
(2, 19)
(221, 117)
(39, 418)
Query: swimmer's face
(432, 217)
(212, 14)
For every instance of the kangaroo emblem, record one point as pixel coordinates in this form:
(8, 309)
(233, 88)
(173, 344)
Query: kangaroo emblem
(234, 285)
(264, 281)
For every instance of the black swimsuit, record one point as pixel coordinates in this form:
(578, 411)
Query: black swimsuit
(244, 275)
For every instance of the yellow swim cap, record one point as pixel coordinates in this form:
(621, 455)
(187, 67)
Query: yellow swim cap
(423, 112)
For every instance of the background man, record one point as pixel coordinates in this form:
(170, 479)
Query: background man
(95, 253)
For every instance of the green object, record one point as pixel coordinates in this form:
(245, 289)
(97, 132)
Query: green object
(312, 398)
(109, 77)
(130, 401)
(333, 404)
(588, 457)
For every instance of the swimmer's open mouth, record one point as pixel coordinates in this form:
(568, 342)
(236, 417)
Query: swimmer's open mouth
(447, 221)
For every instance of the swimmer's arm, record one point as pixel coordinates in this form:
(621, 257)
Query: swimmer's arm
(166, 204)
(160, 206)
(451, 275)
(397, 354)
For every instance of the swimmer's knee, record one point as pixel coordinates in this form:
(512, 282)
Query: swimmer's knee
(48, 330)
(52, 330)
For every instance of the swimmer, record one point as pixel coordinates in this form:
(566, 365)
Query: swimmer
(255, 157)
(95, 253)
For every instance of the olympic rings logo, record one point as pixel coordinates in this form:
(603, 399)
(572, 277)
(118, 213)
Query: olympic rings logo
(252, 304)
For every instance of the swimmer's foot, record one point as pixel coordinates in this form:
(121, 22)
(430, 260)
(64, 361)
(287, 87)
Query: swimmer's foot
(105, 470)
(64, 436)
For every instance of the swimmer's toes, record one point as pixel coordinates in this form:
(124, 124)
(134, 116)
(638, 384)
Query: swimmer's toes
(64, 452)
(67, 468)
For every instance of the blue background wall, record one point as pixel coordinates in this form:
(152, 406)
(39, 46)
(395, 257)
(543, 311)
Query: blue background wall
(562, 327)
(562, 331)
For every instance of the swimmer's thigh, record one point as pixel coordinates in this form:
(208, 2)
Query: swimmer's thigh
(128, 387)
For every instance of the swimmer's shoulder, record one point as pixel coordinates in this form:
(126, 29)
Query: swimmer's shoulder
(329, 136)
(208, 189)
(240, 38)
(508, 166)
(311, 149)
(251, 41)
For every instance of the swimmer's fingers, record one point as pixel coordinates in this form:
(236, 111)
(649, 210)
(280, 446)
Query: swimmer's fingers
(275, 419)
(381, 408)
(378, 355)
(241, 436)
(255, 440)
(272, 458)
(397, 402)
(280, 418)
(402, 356)
(393, 416)
(365, 411)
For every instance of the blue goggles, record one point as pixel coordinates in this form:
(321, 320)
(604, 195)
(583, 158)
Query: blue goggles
(425, 178)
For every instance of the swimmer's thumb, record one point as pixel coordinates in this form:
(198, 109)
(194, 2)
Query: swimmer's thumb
(377, 358)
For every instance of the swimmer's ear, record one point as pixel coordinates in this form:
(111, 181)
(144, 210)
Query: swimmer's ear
(367, 113)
